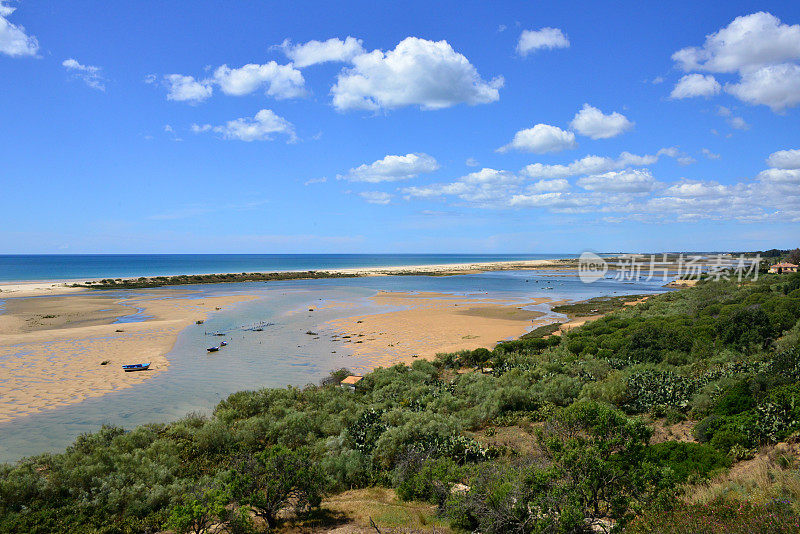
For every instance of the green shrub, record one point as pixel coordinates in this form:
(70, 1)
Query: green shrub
(686, 460)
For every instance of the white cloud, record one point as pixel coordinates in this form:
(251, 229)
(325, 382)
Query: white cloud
(696, 189)
(315, 52)
(627, 181)
(734, 121)
(749, 41)
(784, 159)
(549, 38)
(262, 127)
(776, 86)
(780, 176)
(631, 195)
(316, 181)
(484, 187)
(762, 50)
(592, 122)
(550, 186)
(472, 162)
(417, 72)
(540, 139)
(693, 85)
(710, 155)
(88, 73)
(738, 123)
(281, 81)
(598, 164)
(186, 88)
(376, 197)
(392, 169)
(14, 41)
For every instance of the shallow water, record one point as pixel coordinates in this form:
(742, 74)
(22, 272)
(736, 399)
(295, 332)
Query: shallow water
(281, 354)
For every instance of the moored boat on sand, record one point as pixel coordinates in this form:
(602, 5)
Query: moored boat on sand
(136, 367)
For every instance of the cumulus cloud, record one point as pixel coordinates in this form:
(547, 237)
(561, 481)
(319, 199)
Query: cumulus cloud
(14, 41)
(186, 88)
(418, 72)
(631, 195)
(784, 159)
(710, 155)
(89, 74)
(776, 86)
(262, 127)
(392, 169)
(762, 50)
(592, 122)
(693, 85)
(540, 139)
(483, 187)
(547, 38)
(598, 164)
(696, 189)
(471, 162)
(627, 181)
(749, 41)
(280, 81)
(376, 197)
(550, 186)
(780, 176)
(315, 52)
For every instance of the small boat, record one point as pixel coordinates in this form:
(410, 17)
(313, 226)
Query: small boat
(223, 343)
(136, 367)
(212, 349)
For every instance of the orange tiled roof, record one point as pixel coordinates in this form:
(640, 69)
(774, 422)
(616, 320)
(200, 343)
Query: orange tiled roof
(352, 379)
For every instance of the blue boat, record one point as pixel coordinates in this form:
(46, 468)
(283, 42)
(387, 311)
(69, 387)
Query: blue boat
(136, 367)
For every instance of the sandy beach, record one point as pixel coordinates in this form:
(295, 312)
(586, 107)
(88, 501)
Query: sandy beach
(64, 287)
(429, 323)
(52, 349)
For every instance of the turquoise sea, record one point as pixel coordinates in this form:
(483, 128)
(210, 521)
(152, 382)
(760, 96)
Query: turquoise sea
(281, 354)
(30, 267)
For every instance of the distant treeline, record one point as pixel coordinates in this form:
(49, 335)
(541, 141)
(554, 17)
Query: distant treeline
(186, 279)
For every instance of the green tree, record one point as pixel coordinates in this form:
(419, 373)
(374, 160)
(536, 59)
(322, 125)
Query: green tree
(601, 455)
(275, 478)
(199, 509)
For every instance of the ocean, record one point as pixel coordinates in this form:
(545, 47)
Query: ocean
(41, 267)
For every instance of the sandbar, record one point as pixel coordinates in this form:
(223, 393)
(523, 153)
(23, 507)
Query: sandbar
(430, 323)
(52, 349)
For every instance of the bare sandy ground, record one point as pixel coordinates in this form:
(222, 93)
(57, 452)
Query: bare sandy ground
(430, 323)
(52, 348)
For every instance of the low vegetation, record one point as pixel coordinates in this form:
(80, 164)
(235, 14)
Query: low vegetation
(185, 279)
(721, 357)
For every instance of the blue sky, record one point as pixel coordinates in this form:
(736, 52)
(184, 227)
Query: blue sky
(398, 127)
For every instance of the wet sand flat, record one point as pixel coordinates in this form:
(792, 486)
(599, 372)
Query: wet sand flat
(52, 348)
(430, 323)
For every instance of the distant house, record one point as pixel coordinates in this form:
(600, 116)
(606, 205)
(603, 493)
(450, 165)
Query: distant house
(783, 267)
(350, 382)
